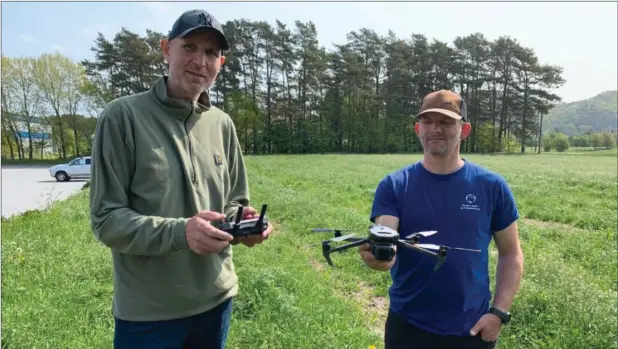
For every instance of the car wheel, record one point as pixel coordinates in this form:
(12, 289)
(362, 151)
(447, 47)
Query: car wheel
(62, 176)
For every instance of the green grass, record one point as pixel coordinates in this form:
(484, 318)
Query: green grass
(590, 151)
(56, 279)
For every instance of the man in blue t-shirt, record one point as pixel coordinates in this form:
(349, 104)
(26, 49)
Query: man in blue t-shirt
(468, 206)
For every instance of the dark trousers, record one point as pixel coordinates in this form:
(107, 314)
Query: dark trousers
(400, 334)
(203, 331)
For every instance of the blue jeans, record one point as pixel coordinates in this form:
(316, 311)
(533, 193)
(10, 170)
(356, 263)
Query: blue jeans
(207, 330)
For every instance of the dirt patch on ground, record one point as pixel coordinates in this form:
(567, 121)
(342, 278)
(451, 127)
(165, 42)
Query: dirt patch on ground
(379, 306)
(317, 266)
(375, 308)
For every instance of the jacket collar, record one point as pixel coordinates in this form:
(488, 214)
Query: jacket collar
(179, 108)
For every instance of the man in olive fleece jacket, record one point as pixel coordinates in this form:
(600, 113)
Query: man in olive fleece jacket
(167, 164)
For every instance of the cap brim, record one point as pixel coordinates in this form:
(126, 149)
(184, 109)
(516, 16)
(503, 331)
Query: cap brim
(225, 45)
(445, 112)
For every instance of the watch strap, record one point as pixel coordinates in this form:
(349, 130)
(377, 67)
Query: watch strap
(505, 317)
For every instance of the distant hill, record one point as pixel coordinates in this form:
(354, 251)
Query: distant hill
(598, 113)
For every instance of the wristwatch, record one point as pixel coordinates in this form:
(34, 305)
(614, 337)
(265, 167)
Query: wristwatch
(504, 316)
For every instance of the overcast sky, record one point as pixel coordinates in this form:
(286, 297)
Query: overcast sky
(581, 37)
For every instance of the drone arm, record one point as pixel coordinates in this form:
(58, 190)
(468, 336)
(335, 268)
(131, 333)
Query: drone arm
(441, 255)
(326, 249)
(355, 239)
(412, 246)
(350, 245)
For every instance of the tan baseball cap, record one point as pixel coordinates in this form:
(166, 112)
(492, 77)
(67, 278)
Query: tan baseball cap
(444, 102)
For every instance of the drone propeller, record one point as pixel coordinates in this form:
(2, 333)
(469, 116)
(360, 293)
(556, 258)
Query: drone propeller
(349, 237)
(438, 247)
(342, 238)
(422, 233)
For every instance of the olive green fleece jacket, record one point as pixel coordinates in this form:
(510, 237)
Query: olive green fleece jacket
(156, 162)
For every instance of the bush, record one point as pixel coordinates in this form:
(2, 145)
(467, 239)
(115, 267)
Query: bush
(557, 140)
(561, 142)
(609, 140)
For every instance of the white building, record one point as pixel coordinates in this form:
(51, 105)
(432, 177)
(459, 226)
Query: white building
(42, 137)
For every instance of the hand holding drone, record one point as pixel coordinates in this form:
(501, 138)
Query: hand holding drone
(383, 240)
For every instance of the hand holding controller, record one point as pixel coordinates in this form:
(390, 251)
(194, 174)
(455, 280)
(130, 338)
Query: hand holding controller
(245, 227)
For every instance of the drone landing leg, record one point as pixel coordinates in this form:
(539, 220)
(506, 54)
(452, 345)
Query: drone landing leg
(439, 264)
(441, 258)
(326, 250)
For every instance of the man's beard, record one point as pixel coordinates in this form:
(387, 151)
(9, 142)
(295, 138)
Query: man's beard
(444, 149)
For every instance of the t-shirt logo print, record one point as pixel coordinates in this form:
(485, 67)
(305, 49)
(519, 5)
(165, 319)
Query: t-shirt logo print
(470, 199)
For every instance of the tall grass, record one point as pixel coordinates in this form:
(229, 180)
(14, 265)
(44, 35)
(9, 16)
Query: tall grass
(57, 287)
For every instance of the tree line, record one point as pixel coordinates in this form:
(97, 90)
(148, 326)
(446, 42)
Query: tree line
(44, 96)
(289, 94)
(597, 140)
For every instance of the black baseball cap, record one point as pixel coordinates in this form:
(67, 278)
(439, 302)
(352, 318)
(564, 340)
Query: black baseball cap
(198, 19)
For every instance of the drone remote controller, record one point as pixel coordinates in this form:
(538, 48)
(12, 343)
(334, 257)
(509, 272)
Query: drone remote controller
(244, 227)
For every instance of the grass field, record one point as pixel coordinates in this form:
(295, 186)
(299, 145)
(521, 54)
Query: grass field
(57, 286)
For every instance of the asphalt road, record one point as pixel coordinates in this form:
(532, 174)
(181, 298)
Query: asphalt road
(31, 187)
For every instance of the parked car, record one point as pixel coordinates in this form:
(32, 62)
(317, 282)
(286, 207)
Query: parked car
(78, 168)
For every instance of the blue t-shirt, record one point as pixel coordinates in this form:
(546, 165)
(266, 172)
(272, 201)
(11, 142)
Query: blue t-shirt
(465, 207)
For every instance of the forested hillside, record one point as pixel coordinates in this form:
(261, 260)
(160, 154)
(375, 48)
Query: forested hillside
(596, 114)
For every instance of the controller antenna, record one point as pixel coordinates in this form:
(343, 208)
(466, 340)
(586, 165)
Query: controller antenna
(238, 218)
(261, 219)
